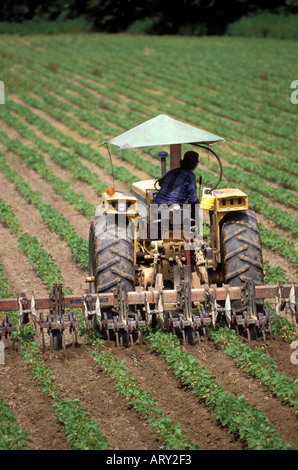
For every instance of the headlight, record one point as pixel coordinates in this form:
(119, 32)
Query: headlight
(121, 206)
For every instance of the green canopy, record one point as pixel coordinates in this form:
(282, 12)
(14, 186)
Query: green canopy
(163, 130)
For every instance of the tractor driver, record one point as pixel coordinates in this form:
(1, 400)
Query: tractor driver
(179, 185)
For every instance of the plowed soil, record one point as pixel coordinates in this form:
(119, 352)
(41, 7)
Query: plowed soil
(77, 373)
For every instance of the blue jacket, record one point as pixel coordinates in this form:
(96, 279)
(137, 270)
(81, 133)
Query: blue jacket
(177, 186)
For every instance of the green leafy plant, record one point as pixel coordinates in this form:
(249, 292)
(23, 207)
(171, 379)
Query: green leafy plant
(234, 412)
(258, 364)
(12, 437)
(143, 402)
(80, 429)
(43, 263)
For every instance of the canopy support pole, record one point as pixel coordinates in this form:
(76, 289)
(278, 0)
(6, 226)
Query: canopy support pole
(175, 156)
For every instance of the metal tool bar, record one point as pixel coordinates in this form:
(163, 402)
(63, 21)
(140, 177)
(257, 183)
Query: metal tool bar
(139, 297)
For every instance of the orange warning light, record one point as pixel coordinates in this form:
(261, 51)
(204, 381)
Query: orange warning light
(111, 191)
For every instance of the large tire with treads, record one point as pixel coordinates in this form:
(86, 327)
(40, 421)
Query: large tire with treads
(111, 256)
(241, 249)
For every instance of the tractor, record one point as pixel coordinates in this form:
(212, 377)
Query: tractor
(138, 246)
(154, 265)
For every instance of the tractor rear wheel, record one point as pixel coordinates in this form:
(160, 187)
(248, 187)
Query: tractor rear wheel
(242, 252)
(111, 256)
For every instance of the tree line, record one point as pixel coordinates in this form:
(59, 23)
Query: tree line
(149, 16)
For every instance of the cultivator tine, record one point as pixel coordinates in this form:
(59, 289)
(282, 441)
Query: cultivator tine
(33, 312)
(24, 310)
(246, 326)
(126, 325)
(268, 318)
(292, 303)
(98, 312)
(211, 303)
(196, 329)
(55, 324)
(286, 304)
(148, 314)
(105, 325)
(251, 298)
(72, 328)
(171, 322)
(203, 318)
(116, 330)
(228, 309)
(261, 324)
(184, 308)
(86, 309)
(160, 309)
(6, 329)
(140, 336)
(121, 303)
(214, 309)
(138, 320)
(90, 315)
(182, 329)
(41, 321)
(279, 301)
(234, 321)
(2, 352)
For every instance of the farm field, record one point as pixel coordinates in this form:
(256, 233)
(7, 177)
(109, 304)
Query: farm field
(64, 96)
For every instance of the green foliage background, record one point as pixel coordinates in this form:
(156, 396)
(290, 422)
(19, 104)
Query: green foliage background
(277, 18)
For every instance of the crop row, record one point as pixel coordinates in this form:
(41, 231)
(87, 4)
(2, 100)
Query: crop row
(79, 428)
(281, 196)
(259, 365)
(78, 99)
(146, 72)
(143, 402)
(53, 218)
(233, 412)
(12, 436)
(133, 118)
(281, 218)
(285, 176)
(37, 162)
(108, 74)
(43, 263)
(237, 106)
(174, 85)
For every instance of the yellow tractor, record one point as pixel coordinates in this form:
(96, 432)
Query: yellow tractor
(158, 264)
(151, 264)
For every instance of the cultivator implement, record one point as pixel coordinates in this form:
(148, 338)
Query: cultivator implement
(54, 323)
(187, 312)
(6, 328)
